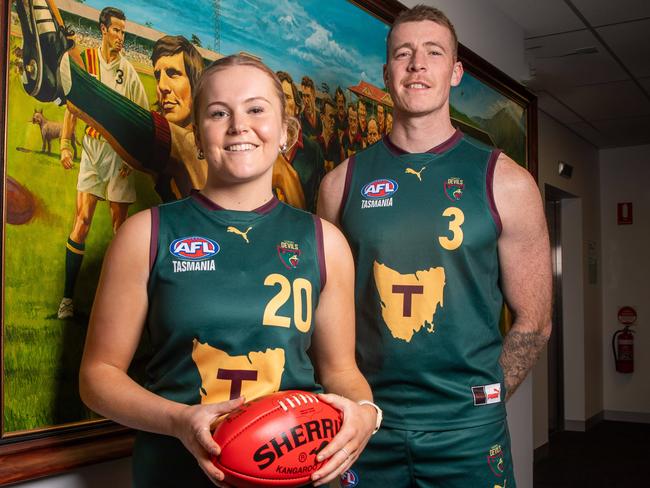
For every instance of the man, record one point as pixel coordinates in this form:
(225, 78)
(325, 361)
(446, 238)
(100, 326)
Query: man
(341, 119)
(443, 229)
(328, 138)
(102, 173)
(299, 168)
(389, 122)
(381, 120)
(363, 121)
(309, 120)
(352, 141)
(147, 141)
(373, 131)
(177, 66)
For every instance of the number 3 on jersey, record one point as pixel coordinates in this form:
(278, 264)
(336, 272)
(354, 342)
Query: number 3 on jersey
(457, 219)
(301, 308)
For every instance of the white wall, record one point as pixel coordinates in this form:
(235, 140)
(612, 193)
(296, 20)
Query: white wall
(625, 176)
(486, 31)
(113, 474)
(582, 338)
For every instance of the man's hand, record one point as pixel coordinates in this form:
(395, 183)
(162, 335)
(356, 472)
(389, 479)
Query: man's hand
(66, 158)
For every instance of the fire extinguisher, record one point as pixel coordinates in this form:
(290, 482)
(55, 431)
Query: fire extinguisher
(623, 348)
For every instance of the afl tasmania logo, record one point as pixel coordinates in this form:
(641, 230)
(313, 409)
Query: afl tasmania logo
(383, 188)
(193, 248)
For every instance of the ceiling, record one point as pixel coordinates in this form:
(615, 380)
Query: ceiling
(589, 65)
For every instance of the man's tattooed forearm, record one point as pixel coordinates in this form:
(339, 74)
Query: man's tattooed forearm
(520, 352)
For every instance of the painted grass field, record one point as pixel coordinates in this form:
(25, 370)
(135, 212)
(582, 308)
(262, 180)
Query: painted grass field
(41, 352)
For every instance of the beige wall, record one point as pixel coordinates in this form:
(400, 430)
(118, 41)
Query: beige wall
(581, 300)
(625, 177)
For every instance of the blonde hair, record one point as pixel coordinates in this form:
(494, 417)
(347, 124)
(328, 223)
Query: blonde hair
(228, 62)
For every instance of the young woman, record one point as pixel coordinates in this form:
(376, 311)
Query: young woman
(231, 288)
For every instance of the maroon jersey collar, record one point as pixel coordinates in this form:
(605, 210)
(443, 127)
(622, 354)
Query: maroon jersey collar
(439, 149)
(205, 202)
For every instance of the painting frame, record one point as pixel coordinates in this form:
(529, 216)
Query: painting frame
(36, 454)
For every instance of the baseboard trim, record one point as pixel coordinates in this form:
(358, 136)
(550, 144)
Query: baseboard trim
(595, 420)
(620, 416)
(584, 425)
(541, 452)
(575, 425)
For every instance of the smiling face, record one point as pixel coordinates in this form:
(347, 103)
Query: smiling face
(421, 68)
(173, 89)
(240, 124)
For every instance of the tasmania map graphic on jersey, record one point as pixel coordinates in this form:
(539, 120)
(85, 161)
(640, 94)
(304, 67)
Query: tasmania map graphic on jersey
(409, 301)
(224, 377)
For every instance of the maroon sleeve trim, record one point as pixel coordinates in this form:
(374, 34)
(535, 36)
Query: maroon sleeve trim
(489, 183)
(153, 241)
(162, 142)
(346, 187)
(320, 252)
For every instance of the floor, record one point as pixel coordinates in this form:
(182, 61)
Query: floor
(610, 454)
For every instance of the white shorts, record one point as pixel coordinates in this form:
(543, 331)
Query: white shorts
(99, 173)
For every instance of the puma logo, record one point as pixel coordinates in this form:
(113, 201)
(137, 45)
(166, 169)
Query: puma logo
(235, 230)
(411, 171)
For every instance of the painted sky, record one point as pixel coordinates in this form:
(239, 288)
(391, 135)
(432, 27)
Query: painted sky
(332, 41)
(476, 99)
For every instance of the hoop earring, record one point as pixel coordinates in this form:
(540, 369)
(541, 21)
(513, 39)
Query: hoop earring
(200, 154)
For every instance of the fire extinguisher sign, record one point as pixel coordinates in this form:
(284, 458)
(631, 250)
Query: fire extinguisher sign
(626, 315)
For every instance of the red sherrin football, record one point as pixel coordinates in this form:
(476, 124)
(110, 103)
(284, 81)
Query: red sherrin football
(274, 440)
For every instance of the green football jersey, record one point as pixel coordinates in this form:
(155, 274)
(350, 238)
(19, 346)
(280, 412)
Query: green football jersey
(232, 297)
(423, 229)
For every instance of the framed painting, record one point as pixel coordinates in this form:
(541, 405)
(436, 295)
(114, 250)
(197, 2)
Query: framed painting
(57, 223)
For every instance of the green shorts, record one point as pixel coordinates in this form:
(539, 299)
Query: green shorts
(477, 457)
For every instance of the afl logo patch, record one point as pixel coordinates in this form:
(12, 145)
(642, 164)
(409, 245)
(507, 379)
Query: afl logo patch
(349, 479)
(382, 188)
(194, 248)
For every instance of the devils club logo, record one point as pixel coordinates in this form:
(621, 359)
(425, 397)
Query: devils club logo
(454, 189)
(496, 461)
(289, 254)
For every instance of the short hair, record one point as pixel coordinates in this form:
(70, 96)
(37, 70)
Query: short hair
(229, 62)
(327, 101)
(421, 13)
(171, 45)
(284, 76)
(339, 91)
(308, 82)
(107, 13)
